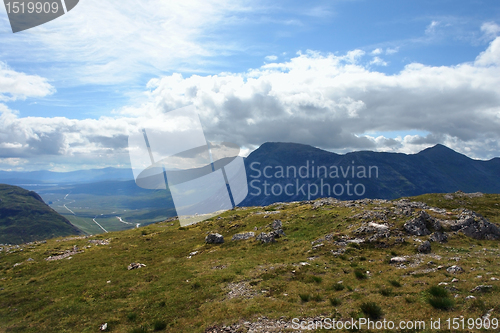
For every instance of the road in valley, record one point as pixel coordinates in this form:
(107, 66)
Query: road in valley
(120, 219)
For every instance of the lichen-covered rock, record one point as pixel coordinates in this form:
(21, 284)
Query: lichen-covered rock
(277, 224)
(455, 269)
(475, 226)
(419, 226)
(243, 236)
(266, 238)
(214, 238)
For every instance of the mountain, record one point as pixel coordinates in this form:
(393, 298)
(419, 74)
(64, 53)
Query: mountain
(24, 217)
(293, 172)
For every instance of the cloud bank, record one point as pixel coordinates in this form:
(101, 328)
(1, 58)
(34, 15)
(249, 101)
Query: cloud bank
(335, 102)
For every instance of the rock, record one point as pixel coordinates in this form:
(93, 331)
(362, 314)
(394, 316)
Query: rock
(103, 327)
(470, 297)
(30, 259)
(135, 265)
(277, 224)
(454, 280)
(494, 279)
(266, 238)
(398, 260)
(279, 233)
(439, 237)
(214, 238)
(475, 226)
(455, 269)
(418, 225)
(243, 236)
(481, 289)
(425, 247)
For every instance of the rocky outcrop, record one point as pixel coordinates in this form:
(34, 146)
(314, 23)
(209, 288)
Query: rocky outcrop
(243, 236)
(214, 238)
(419, 226)
(475, 226)
(439, 237)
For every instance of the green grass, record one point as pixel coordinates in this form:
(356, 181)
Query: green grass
(192, 294)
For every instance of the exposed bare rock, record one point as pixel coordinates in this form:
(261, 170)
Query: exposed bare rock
(398, 260)
(439, 237)
(243, 236)
(419, 226)
(425, 247)
(455, 269)
(324, 201)
(240, 290)
(475, 226)
(277, 224)
(266, 238)
(66, 254)
(482, 289)
(135, 265)
(214, 238)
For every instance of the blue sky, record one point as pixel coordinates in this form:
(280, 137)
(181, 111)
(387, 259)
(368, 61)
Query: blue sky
(341, 75)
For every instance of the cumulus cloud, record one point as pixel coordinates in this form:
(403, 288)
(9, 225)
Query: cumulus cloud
(15, 85)
(329, 101)
(491, 30)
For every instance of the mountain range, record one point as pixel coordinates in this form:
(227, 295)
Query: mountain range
(438, 169)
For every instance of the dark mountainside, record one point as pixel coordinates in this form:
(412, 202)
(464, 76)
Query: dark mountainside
(24, 217)
(434, 170)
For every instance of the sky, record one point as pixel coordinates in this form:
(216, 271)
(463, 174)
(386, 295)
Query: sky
(341, 75)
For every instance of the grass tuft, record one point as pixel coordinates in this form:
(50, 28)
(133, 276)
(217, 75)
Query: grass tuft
(372, 310)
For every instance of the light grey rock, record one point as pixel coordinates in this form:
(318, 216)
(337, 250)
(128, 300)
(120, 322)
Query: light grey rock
(455, 269)
(266, 238)
(243, 236)
(277, 224)
(398, 260)
(214, 238)
(481, 289)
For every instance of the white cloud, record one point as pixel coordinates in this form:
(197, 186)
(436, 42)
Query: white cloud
(431, 28)
(378, 61)
(271, 58)
(377, 51)
(328, 101)
(390, 51)
(491, 30)
(15, 85)
(115, 41)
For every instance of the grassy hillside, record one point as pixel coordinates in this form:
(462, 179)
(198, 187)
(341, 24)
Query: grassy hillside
(321, 269)
(24, 217)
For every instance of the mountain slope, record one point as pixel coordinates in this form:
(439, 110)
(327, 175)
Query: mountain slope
(335, 258)
(24, 217)
(434, 170)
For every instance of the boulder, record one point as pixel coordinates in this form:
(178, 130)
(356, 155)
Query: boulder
(277, 225)
(243, 236)
(398, 260)
(214, 238)
(455, 269)
(266, 238)
(439, 237)
(425, 247)
(419, 226)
